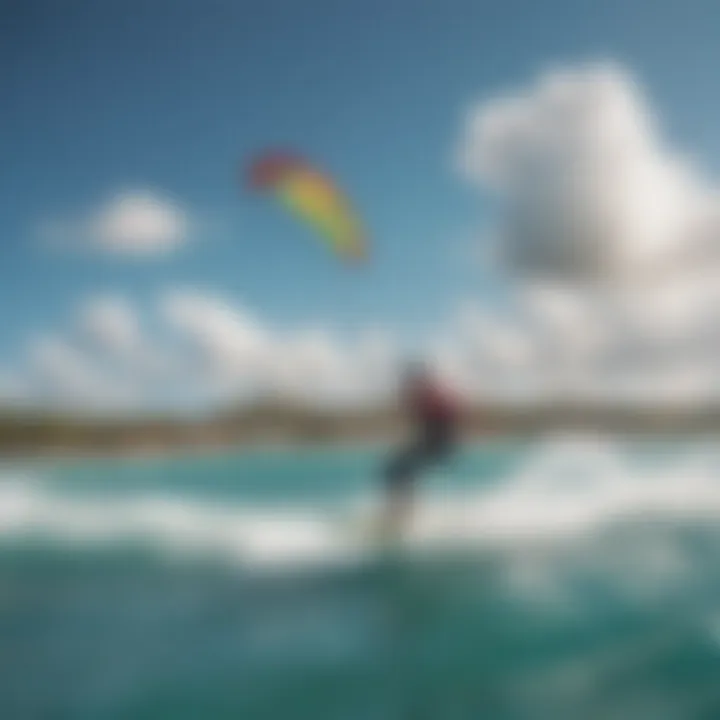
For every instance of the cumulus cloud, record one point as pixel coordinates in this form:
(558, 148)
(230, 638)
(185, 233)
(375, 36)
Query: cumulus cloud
(611, 240)
(101, 361)
(137, 223)
(587, 186)
(110, 323)
(237, 354)
(14, 388)
(206, 351)
(63, 375)
(553, 344)
(60, 364)
(226, 347)
(495, 341)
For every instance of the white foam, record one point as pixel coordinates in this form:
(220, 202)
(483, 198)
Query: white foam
(174, 525)
(564, 491)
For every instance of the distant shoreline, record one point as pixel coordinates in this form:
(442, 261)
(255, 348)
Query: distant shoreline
(70, 437)
(179, 451)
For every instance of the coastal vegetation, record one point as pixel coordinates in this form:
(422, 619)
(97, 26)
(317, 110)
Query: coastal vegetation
(30, 432)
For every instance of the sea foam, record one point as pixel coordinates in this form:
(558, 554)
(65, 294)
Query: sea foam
(563, 491)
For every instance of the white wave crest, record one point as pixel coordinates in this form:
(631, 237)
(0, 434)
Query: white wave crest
(563, 492)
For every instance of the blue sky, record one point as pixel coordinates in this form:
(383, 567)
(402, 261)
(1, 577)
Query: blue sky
(174, 95)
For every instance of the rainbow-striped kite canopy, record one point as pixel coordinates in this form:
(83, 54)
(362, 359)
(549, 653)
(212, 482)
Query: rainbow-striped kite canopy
(313, 196)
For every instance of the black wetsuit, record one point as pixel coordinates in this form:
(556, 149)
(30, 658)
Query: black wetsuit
(434, 443)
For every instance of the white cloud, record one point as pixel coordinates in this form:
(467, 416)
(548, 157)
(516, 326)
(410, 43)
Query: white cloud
(137, 223)
(63, 375)
(14, 388)
(240, 356)
(214, 351)
(589, 191)
(312, 358)
(229, 348)
(587, 185)
(59, 363)
(494, 341)
(110, 323)
(378, 360)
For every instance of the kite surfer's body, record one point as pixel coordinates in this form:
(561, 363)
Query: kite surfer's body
(434, 413)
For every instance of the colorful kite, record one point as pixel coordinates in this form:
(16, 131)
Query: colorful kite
(313, 196)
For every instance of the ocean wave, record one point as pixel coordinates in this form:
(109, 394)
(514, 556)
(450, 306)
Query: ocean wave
(563, 491)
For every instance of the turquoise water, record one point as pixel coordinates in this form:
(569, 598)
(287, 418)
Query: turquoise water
(564, 579)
